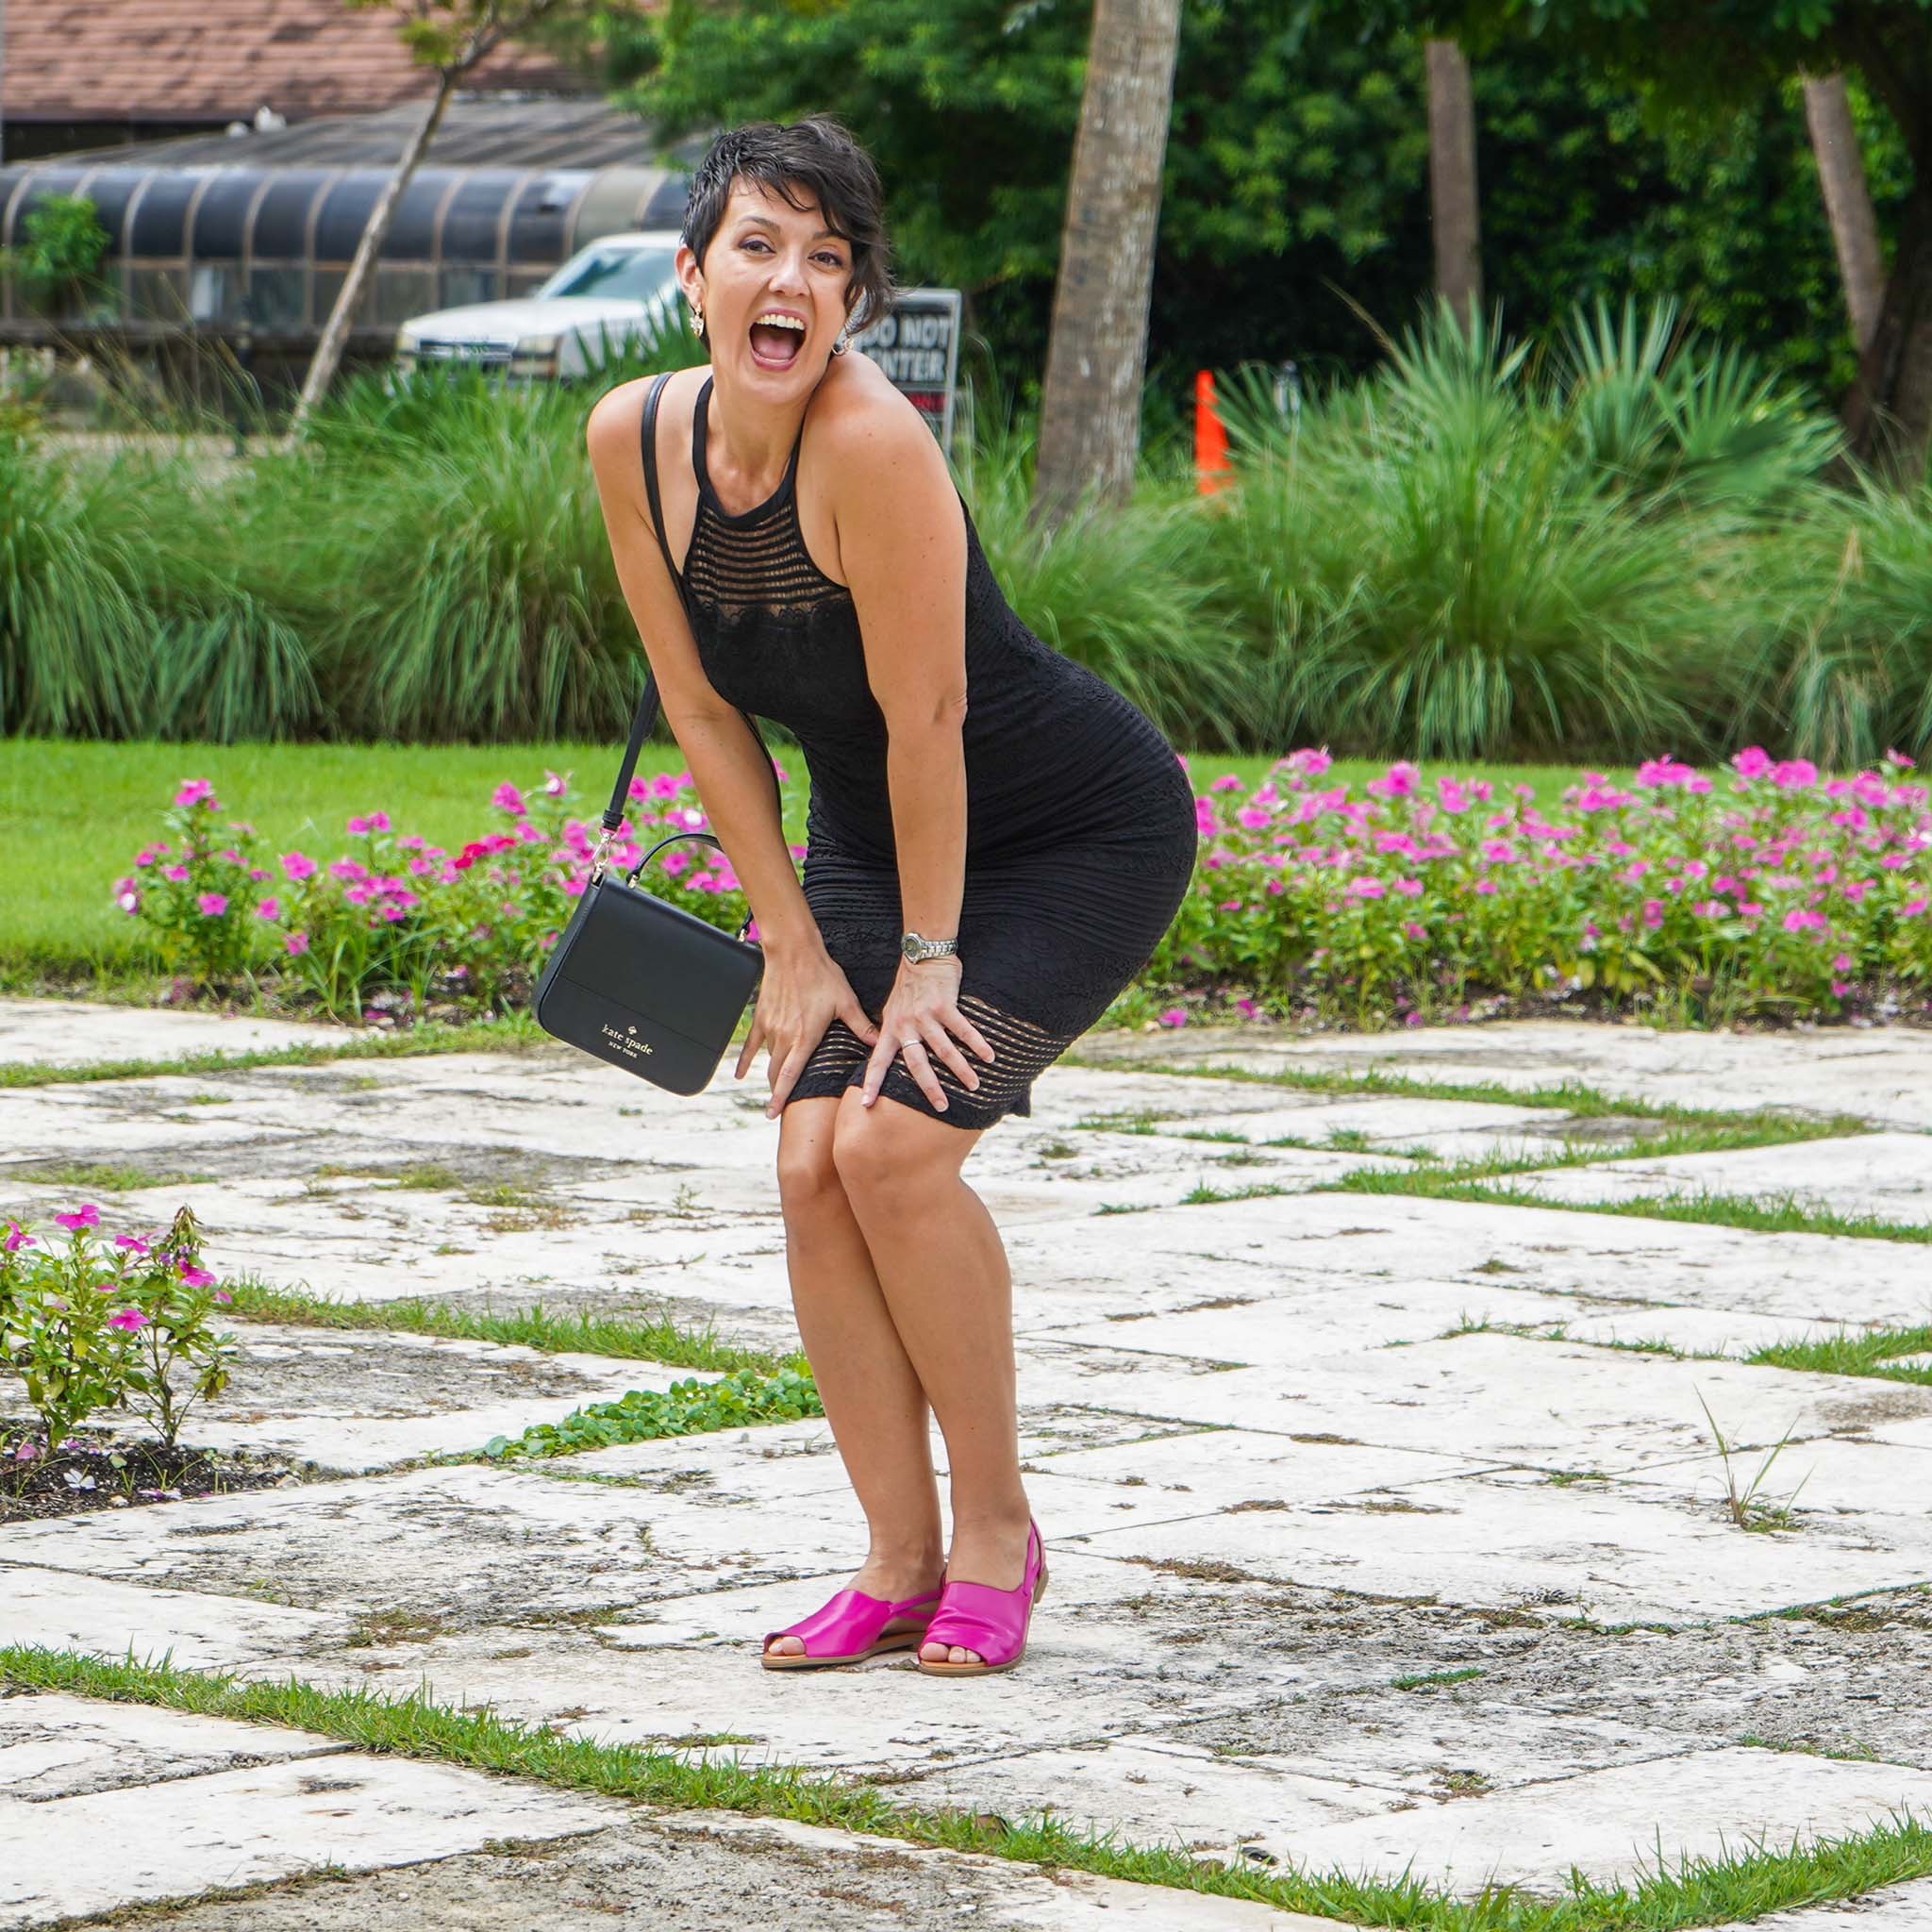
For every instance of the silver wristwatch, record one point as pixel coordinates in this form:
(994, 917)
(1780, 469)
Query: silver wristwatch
(916, 948)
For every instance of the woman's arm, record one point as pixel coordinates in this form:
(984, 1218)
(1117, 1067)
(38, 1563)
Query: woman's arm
(902, 542)
(727, 761)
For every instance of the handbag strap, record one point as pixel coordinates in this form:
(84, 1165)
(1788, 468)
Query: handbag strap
(647, 704)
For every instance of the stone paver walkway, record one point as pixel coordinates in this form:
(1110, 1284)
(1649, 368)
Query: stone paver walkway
(1368, 1554)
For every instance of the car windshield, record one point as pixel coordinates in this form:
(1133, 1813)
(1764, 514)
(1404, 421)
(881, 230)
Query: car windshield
(635, 275)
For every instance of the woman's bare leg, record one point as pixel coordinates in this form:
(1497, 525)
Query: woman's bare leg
(873, 1398)
(943, 1272)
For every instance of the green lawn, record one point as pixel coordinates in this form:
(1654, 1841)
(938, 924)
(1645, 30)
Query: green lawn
(73, 814)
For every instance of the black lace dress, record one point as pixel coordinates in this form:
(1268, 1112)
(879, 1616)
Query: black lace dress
(1080, 835)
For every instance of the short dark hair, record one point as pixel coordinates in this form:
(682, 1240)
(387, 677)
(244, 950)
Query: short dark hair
(820, 156)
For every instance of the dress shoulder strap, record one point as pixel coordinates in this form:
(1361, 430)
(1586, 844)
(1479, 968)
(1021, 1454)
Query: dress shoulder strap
(649, 434)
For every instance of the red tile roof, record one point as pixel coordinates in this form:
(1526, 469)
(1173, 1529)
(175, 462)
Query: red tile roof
(216, 59)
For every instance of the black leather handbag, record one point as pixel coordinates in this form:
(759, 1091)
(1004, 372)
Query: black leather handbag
(633, 979)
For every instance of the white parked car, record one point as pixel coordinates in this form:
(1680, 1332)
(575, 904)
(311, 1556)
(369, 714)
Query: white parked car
(602, 298)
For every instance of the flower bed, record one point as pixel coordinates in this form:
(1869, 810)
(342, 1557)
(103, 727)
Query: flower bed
(1768, 889)
(1772, 889)
(395, 922)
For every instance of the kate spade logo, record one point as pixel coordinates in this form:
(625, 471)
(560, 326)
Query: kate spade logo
(627, 1043)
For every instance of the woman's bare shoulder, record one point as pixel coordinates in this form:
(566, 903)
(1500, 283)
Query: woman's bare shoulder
(865, 420)
(611, 430)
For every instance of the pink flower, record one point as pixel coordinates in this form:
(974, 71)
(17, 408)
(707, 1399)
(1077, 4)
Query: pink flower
(297, 865)
(1913, 906)
(212, 903)
(1752, 762)
(1309, 763)
(194, 1277)
(1899, 760)
(1230, 782)
(268, 909)
(86, 1215)
(222, 1295)
(375, 822)
(197, 792)
(129, 1319)
(1798, 920)
(296, 942)
(178, 873)
(1247, 1006)
(507, 798)
(1366, 886)
(16, 1239)
(347, 869)
(132, 1243)
(554, 787)
(1399, 781)
(1177, 1016)
(127, 895)
(1794, 773)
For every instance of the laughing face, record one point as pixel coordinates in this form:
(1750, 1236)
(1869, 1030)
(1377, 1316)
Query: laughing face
(772, 287)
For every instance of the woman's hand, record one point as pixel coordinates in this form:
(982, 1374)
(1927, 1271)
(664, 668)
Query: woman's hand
(798, 997)
(919, 1012)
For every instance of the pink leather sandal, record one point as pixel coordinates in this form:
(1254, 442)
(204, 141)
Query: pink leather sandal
(975, 1616)
(851, 1627)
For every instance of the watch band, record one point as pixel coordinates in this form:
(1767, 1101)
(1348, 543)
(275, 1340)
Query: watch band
(916, 946)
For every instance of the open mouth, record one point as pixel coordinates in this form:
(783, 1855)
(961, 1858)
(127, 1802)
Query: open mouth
(775, 346)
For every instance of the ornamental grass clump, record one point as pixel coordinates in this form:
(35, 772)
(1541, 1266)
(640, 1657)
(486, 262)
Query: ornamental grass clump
(427, 927)
(1773, 890)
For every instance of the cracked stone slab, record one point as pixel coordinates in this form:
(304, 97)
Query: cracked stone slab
(59, 1609)
(354, 1401)
(1499, 1398)
(1453, 1739)
(1885, 1176)
(1244, 1246)
(1307, 1315)
(667, 1871)
(1612, 1824)
(1832, 1482)
(74, 1033)
(459, 1545)
(1615, 1552)
(265, 1822)
(1156, 1793)
(55, 1746)
(1894, 1908)
(1881, 1072)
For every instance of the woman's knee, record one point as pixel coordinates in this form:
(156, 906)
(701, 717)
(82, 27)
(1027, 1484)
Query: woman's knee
(808, 1180)
(888, 1147)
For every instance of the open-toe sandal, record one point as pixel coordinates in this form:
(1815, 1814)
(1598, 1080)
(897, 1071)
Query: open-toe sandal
(851, 1627)
(975, 1616)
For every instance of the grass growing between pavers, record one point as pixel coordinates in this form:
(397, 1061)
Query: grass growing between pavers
(1575, 1097)
(1701, 1892)
(624, 1338)
(1753, 1213)
(514, 1033)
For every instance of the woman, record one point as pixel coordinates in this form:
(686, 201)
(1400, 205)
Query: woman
(996, 841)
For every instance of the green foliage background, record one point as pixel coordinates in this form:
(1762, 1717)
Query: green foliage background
(1294, 199)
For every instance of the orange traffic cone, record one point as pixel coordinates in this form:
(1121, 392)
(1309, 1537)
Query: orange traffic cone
(1211, 439)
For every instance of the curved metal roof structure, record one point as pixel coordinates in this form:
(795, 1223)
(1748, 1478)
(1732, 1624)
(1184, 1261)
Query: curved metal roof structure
(253, 234)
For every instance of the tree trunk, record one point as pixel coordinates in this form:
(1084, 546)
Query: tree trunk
(1453, 213)
(1097, 356)
(328, 351)
(1848, 201)
(1887, 412)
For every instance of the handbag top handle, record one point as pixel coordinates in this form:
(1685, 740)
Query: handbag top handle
(647, 704)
